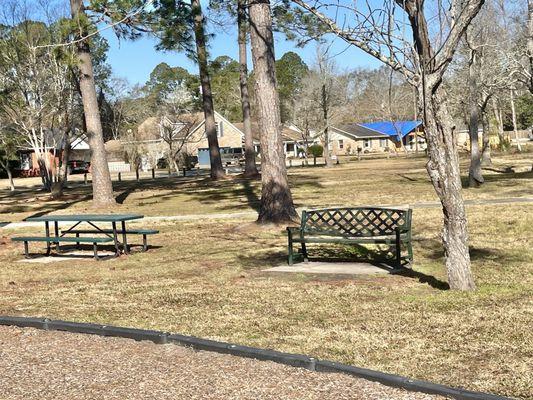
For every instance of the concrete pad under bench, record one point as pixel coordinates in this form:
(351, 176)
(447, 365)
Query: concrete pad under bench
(321, 267)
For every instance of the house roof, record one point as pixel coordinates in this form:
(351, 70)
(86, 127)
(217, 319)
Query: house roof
(393, 128)
(149, 129)
(53, 139)
(357, 131)
(288, 134)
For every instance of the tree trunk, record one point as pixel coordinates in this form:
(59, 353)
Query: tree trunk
(276, 198)
(7, 168)
(443, 169)
(57, 189)
(10, 178)
(515, 127)
(485, 155)
(217, 171)
(530, 42)
(45, 170)
(475, 176)
(250, 169)
(101, 178)
(175, 165)
(499, 121)
(327, 155)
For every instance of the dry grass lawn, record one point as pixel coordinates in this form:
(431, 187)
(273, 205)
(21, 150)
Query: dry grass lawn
(205, 279)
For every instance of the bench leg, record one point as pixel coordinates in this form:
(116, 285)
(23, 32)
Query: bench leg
(398, 253)
(77, 243)
(290, 251)
(304, 252)
(145, 243)
(26, 250)
(410, 253)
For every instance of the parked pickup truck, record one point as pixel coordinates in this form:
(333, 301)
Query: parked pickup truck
(78, 167)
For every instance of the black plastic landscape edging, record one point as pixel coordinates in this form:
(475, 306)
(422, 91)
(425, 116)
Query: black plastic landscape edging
(295, 360)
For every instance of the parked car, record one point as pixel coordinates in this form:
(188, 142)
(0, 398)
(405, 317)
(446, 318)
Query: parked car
(232, 156)
(78, 167)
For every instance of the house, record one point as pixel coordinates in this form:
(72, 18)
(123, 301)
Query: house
(184, 133)
(375, 137)
(410, 132)
(187, 132)
(347, 139)
(53, 146)
(294, 140)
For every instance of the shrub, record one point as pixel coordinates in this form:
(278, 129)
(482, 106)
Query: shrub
(315, 150)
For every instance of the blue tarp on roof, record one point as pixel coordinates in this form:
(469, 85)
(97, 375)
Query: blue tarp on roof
(392, 128)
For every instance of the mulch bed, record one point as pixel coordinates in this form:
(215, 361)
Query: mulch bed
(58, 365)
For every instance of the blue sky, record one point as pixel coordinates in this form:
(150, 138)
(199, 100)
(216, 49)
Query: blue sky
(135, 60)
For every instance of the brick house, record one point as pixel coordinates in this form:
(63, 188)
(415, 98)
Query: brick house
(188, 131)
(53, 146)
(376, 137)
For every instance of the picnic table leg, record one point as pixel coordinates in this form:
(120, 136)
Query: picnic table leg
(56, 233)
(145, 243)
(124, 238)
(47, 230)
(115, 237)
(26, 250)
(95, 251)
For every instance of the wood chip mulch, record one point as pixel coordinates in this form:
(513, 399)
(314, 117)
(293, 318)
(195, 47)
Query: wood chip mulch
(37, 364)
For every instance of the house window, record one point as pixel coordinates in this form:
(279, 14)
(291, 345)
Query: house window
(383, 143)
(220, 130)
(367, 143)
(341, 144)
(25, 161)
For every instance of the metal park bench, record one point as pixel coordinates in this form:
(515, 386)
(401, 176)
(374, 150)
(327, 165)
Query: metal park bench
(98, 235)
(360, 225)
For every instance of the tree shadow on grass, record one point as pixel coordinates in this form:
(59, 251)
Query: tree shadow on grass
(508, 177)
(424, 278)
(233, 194)
(435, 251)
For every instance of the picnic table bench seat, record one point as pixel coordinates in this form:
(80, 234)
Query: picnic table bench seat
(143, 232)
(57, 239)
(357, 225)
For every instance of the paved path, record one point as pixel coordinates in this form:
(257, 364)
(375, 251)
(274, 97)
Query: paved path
(58, 365)
(253, 214)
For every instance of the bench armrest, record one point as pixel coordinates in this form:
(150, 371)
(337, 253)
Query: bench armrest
(294, 230)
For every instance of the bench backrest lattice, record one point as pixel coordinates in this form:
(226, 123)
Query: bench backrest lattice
(355, 222)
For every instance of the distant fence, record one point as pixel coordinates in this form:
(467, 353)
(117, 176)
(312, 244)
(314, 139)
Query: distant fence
(119, 166)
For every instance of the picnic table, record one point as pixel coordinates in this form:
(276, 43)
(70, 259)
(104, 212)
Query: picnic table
(100, 227)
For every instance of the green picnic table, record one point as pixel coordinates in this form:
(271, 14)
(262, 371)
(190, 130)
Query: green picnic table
(108, 233)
